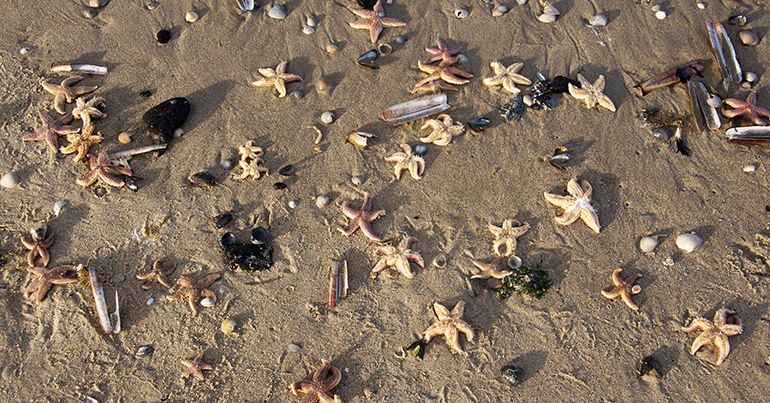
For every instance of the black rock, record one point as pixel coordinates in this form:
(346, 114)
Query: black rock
(512, 374)
(259, 235)
(146, 93)
(478, 124)
(202, 179)
(163, 36)
(420, 150)
(248, 257)
(161, 121)
(367, 59)
(648, 368)
(227, 240)
(222, 220)
(287, 170)
(279, 186)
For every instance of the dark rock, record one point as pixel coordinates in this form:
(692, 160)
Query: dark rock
(146, 93)
(260, 235)
(161, 121)
(279, 186)
(202, 179)
(648, 369)
(222, 220)
(512, 374)
(248, 257)
(478, 124)
(163, 36)
(287, 170)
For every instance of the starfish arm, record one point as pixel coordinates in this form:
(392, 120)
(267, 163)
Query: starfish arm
(417, 168)
(280, 87)
(350, 228)
(302, 386)
(722, 346)
(463, 328)
(59, 102)
(381, 266)
(118, 170)
(626, 297)
(574, 188)
(436, 329)
(89, 179)
(291, 78)
(700, 341)
(498, 69)
(325, 397)
(42, 289)
(348, 211)
(458, 310)
(364, 13)
(375, 29)
(611, 294)
(366, 229)
(615, 277)
(375, 215)
(44, 257)
(29, 290)
(497, 245)
(80, 90)
(606, 102)
(263, 82)
(31, 255)
(266, 72)
(27, 241)
(453, 340)
(591, 219)
(510, 86)
(442, 313)
(427, 79)
(586, 188)
(110, 179)
(459, 72)
(360, 24)
(416, 259)
(280, 69)
(192, 302)
(697, 324)
(519, 230)
(598, 86)
(82, 152)
(443, 140)
(520, 79)
(70, 81)
(563, 202)
(392, 22)
(577, 93)
(402, 265)
(570, 215)
(495, 81)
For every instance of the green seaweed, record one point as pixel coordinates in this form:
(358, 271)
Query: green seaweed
(530, 282)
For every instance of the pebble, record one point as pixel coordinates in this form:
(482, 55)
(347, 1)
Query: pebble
(88, 12)
(688, 242)
(292, 204)
(228, 326)
(648, 243)
(748, 38)
(311, 21)
(163, 36)
(358, 180)
(202, 179)
(500, 10)
(207, 302)
(322, 201)
(150, 301)
(308, 30)
(701, 5)
(421, 150)
(749, 168)
(528, 100)
(287, 170)
(661, 15)
(9, 180)
(191, 17)
(546, 18)
(227, 163)
(25, 50)
(461, 12)
(278, 12)
(279, 186)
(327, 117)
(598, 20)
(58, 206)
(399, 40)
(293, 348)
(124, 138)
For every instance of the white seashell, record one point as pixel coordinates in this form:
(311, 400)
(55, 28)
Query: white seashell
(514, 262)
(150, 301)
(97, 3)
(500, 10)
(311, 21)
(207, 302)
(278, 12)
(327, 117)
(89, 399)
(550, 9)
(546, 18)
(440, 261)
(701, 5)
(293, 348)
(749, 168)
(292, 204)
(414, 109)
(308, 30)
(78, 68)
(144, 351)
(245, 5)
(528, 100)
(24, 50)
(461, 12)
(657, 8)
(598, 20)
(688, 242)
(648, 243)
(661, 15)
(750, 77)
(191, 17)
(228, 326)
(322, 201)
(358, 180)
(179, 132)
(115, 316)
(152, 4)
(522, 2)
(58, 206)
(9, 180)
(748, 38)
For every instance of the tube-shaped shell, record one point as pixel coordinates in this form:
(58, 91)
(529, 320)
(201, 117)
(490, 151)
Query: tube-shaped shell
(101, 305)
(415, 109)
(359, 139)
(704, 114)
(670, 77)
(79, 68)
(724, 52)
(749, 135)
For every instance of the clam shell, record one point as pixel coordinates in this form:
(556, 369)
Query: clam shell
(688, 242)
(322, 201)
(550, 9)
(9, 180)
(546, 18)
(207, 302)
(359, 139)
(514, 262)
(228, 326)
(748, 38)
(58, 206)
(648, 244)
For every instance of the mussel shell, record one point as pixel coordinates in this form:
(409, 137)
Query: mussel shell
(287, 170)
(248, 257)
(222, 220)
(202, 179)
(738, 19)
(512, 374)
(367, 59)
(227, 239)
(367, 4)
(559, 84)
(259, 235)
(478, 124)
(648, 367)
(161, 120)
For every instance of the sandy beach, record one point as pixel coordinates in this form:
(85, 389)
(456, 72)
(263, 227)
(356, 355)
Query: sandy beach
(572, 344)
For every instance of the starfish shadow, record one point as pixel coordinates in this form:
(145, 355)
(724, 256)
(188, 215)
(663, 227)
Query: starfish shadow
(577, 148)
(751, 314)
(606, 196)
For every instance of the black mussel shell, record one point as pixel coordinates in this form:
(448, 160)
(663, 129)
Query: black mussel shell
(260, 235)
(367, 4)
(222, 220)
(478, 124)
(161, 121)
(227, 240)
(420, 150)
(40, 232)
(132, 183)
(417, 348)
(279, 186)
(163, 36)
(248, 257)
(558, 85)
(513, 109)
(663, 133)
(512, 374)
(550, 103)
(287, 170)
(367, 59)
(145, 93)
(738, 19)
(560, 158)
(648, 367)
(202, 179)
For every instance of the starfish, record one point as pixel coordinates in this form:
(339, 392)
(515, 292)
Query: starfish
(449, 325)
(374, 20)
(251, 163)
(50, 129)
(40, 286)
(361, 218)
(433, 87)
(591, 94)
(85, 110)
(318, 387)
(747, 109)
(192, 290)
(66, 92)
(100, 167)
(38, 245)
(715, 333)
(449, 74)
(443, 129)
(505, 235)
(158, 274)
(195, 367)
(81, 143)
(276, 79)
(396, 259)
(442, 53)
(407, 161)
(507, 77)
(577, 205)
(623, 288)
(492, 269)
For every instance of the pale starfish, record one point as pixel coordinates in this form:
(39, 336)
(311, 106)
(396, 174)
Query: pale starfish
(449, 74)
(715, 333)
(40, 286)
(449, 325)
(591, 94)
(361, 218)
(506, 234)
(276, 79)
(81, 143)
(195, 367)
(496, 268)
(396, 259)
(100, 167)
(50, 129)
(623, 288)
(407, 161)
(158, 274)
(251, 163)
(577, 205)
(443, 129)
(442, 53)
(747, 109)
(318, 388)
(374, 20)
(86, 110)
(507, 77)
(433, 87)
(193, 290)
(38, 244)
(66, 92)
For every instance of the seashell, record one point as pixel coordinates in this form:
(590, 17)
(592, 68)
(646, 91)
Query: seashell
(546, 18)
(292, 204)
(500, 10)
(221, 220)
(311, 21)
(705, 115)
(663, 133)
(598, 20)
(688, 242)
(478, 124)
(750, 78)
(207, 302)
(228, 326)
(88, 13)
(202, 179)
(152, 4)
(528, 100)
(657, 7)
(648, 243)
(415, 109)
(97, 3)
(701, 5)
(359, 139)
(461, 58)
(287, 170)
(513, 262)
(367, 59)
(358, 180)
(332, 48)
(191, 17)
(421, 150)
(322, 201)
(749, 168)
(144, 351)
(327, 117)
(461, 12)
(278, 12)
(440, 261)
(550, 9)
(279, 186)
(24, 50)
(245, 5)
(260, 235)
(749, 134)
(648, 369)
(661, 15)
(293, 348)
(521, 2)
(322, 86)
(748, 38)
(124, 138)
(161, 120)
(115, 316)
(101, 306)
(715, 101)
(308, 30)
(9, 180)
(163, 36)
(384, 49)
(80, 68)
(560, 158)
(227, 239)
(58, 206)
(227, 163)
(724, 51)
(297, 94)
(738, 19)
(150, 301)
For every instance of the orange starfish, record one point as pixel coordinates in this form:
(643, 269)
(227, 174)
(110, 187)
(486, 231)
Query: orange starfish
(100, 167)
(448, 74)
(361, 218)
(747, 109)
(623, 289)
(50, 129)
(374, 20)
(442, 53)
(40, 286)
(195, 367)
(38, 245)
(318, 388)
(158, 274)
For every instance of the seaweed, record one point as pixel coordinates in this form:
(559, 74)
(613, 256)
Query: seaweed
(532, 282)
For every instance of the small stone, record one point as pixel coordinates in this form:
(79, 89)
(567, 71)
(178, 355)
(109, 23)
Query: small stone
(293, 348)
(59, 206)
(124, 138)
(292, 204)
(748, 38)
(749, 168)
(461, 12)
(399, 40)
(358, 180)
(421, 150)
(259, 235)
(661, 15)
(298, 94)
(648, 244)
(228, 326)
(322, 201)
(279, 186)
(308, 30)
(221, 220)
(598, 20)
(150, 301)
(546, 18)
(24, 50)
(332, 48)
(191, 17)
(227, 163)
(701, 5)
(327, 117)
(145, 93)
(9, 180)
(512, 374)
(528, 100)
(278, 12)
(163, 36)
(207, 302)
(88, 12)
(287, 170)
(152, 4)
(500, 10)
(311, 21)
(688, 242)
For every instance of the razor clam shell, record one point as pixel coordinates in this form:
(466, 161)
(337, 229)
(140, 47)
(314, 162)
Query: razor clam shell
(245, 5)
(705, 115)
(79, 68)
(749, 134)
(727, 62)
(736, 73)
(101, 305)
(415, 109)
(115, 316)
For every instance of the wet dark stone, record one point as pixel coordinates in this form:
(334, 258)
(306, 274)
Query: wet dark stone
(248, 257)
(558, 85)
(259, 235)
(163, 36)
(279, 186)
(648, 368)
(222, 220)
(478, 124)
(202, 179)
(227, 239)
(161, 121)
(420, 150)
(146, 93)
(767, 208)
(367, 59)
(287, 170)
(512, 374)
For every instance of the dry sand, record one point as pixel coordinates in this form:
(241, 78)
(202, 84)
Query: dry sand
(573, 344)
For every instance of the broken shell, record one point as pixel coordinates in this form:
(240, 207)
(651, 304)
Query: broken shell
(307, 30)
(124, 138)
(322, 86)
(9, 180)
(688, 242)
(101, 306)
(384, 49)
(322, 201)
(440, 261)
(701, 5)
(311, 21)
(749, 79)
(514, 262)
(78, 68)
(738, 19)
(748, 38)
(749, 168)
(228, 326)
(144, 351)
(292, 204)
(245, 5)
(359, 139)
(598, 20)
(461, 12)
(207, 302)
(550, 9)
(58, 206)
(414, 109)
(500, 10)
(332, 48)
(560, 157)
(648, 243)
(358, 180)
(657, 7)
(327, 117)
(749, 134)
(715, 101)
(546, 18)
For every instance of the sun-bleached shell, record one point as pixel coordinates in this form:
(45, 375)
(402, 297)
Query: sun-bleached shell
(688, 242)
(648, 244)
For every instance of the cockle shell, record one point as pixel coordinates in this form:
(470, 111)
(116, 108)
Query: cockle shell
(648, 243)
(688, 242)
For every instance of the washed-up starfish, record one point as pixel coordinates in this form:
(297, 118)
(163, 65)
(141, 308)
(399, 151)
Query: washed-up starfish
(496, 268)
(276, 79)
(66, 92)
(433, 87)
(591, 94)
(318, 388)
(623, 288)
(374, 20)
(443, 129)
(193, 290)
(507, 77)
(396, 259)
(576, 205)
(442, 53)
(86, 110)
(747, 109)
(50, 129)
(506, 234)
(407, 161)
(449, 74)
(195, 367)
(40, 286)
(449, 325)
(715, 333)
(158, 274)
(81, 143)
(251, 163)
(38, 244)
(100, 167)
(361, 218)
